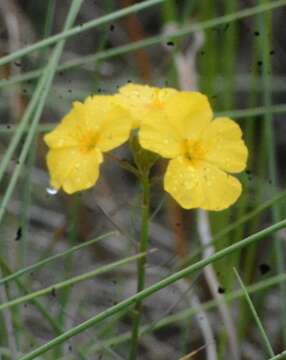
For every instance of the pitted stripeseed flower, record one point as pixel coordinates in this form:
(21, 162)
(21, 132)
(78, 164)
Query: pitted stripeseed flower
(139, 99)
(202, 151)
(77, 144)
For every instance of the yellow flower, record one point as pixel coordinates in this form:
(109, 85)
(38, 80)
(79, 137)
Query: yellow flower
(139, 99)
(202, 151)
(77, 143)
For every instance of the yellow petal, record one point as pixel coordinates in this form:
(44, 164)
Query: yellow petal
(138, 99)
(116, 123)
(223, 145)
(72, 169)
(158, 134)
(197, 184)
(184, 116)
(81, 120)
(66, 134)
(99, 121)
(190, 112)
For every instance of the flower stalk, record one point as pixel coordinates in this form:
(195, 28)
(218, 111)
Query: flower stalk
(145, 209)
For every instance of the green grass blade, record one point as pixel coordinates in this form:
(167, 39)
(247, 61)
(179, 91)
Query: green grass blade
(45, 313)
(279, 356)
(153, 289)
(51, 6)
(152, 41)
(22, 126)
(243, 219)
(235, 114)
(190, 312)
(72, 281)
(37, 108)
(265, 26)
(252, 112)
(255, 315)
(79, 29)
(250, 215)
(48, 260)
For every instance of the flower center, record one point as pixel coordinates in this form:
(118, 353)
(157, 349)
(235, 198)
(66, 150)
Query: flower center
(194, 150)
(156, 101)
(88, 143)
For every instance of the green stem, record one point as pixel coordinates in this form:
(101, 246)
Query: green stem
(141, 264)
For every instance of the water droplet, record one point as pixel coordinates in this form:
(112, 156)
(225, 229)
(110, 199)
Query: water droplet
(51, 191)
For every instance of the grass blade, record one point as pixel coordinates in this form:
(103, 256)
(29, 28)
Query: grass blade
(36, 107)
(48, 260)
(265, 26)
(152, 41)
(190, 312)
(153, 289)
(78, 29)
(255, 315)
(71, 281)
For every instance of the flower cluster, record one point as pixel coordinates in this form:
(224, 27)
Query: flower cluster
(177, 125)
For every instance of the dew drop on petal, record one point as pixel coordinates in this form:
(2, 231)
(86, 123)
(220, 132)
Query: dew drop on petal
(51, 191)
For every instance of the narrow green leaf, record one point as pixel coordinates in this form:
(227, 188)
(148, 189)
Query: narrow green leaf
(78, 29)
(255, 315)
(151, 41)
(153, 289)
(71, 281)
(47, 260)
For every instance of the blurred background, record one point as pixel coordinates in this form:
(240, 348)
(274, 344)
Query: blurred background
(240, 64)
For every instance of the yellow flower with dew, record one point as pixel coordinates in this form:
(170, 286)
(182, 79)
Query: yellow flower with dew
(202, 151)
(77, 144)
(139, 99)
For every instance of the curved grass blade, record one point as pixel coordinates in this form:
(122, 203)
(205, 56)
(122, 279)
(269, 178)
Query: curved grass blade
(190, 312)
(153, 289)
(255, 315)
(279, 356)
(78, 29)
(151, 41)
(236, 114)
(47, 260)
(71, 281)
(36, 109)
